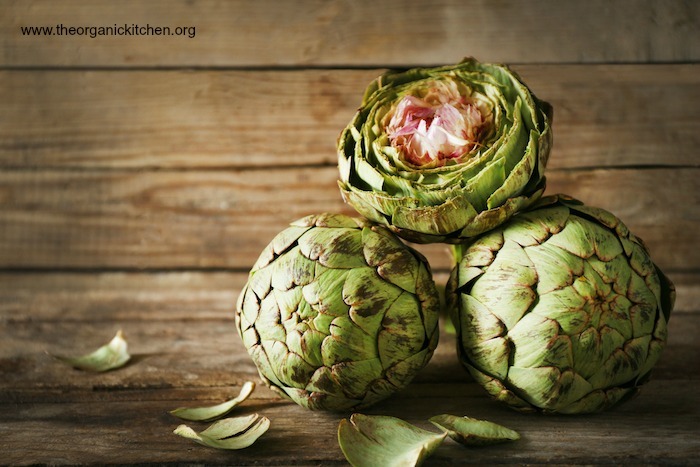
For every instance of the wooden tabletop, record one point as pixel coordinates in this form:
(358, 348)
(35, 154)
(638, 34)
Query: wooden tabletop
(141, 176)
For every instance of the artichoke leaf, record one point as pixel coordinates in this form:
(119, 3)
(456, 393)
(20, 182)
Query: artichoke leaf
(387, 441)
(448, 217)
(385, 252)
(307, 345)
(402, 330)
(336, 248)
(401, 272)
(260, 282)
(295, 370)
(556, 268)
(288, 302)
(346, 343)
(262, 362)
(287, 238)
(587, 351)
(229, 433)
(479, 324)
(482, 252)
(268, 324)
(566, 309)
(492, 354)
(292, 269)
(655, 348)
(211, 413)
(429, 299)
(401, 373)
(357, 375)
(492, 218)
(516, 178)
(506, 288)
(513, 141)
(324, 381)
(533, 228)
(325, 292)
(532, 338)
(497, 389)
(472, 432)
(480, 188)
(110, 356)
(367, 293)
(575, 238)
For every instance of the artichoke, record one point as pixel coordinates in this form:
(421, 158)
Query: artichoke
(445, 154)
(560, 310)
(338, 313)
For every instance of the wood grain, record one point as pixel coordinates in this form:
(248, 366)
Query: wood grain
(605, 115)
(223, 219)
(201, 361)
(139, 432)
(91, 298)
(343, 33)
(181, 332)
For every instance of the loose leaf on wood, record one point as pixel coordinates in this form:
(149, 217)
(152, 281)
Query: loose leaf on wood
(208, 414)
(229, 433)
(473, 432)
(108, 357)
(387, 441)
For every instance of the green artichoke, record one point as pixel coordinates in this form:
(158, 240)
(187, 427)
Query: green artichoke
(338, 313)
(445, 154)
(560, 310)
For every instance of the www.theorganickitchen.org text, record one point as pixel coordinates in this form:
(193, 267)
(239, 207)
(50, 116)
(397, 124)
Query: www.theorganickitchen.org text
(93, 32)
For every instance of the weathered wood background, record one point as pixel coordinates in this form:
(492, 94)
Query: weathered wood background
(141, 176)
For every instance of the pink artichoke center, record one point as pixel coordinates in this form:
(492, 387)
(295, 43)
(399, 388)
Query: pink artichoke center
(439, 126)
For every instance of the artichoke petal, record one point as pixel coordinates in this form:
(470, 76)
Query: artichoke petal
(472, 432)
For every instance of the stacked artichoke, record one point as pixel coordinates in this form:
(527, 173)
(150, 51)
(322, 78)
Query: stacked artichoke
(559, 310)
(557, 306)
(445, 154)
(338, 313)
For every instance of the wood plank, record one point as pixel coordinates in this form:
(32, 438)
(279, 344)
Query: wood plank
(174, 118)
(201, 352)
(657, 427)
(168, 296)
(115, 296)
(161, 219)
(129, 406)
(313, 32)
(50, 414)
(223, 219)
(178, 345)
(605, 115)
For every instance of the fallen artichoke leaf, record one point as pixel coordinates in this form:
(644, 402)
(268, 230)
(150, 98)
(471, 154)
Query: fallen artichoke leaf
(473, 432)
(228, 433)
(369, 440)
(209, 414)
(108, 357)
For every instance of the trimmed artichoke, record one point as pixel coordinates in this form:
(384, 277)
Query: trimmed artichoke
(445, 154)
(338, 313)
(560, 310)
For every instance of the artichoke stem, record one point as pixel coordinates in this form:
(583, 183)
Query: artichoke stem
(457, 251)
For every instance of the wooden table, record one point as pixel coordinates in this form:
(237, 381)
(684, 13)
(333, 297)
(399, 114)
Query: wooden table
(141, 176)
